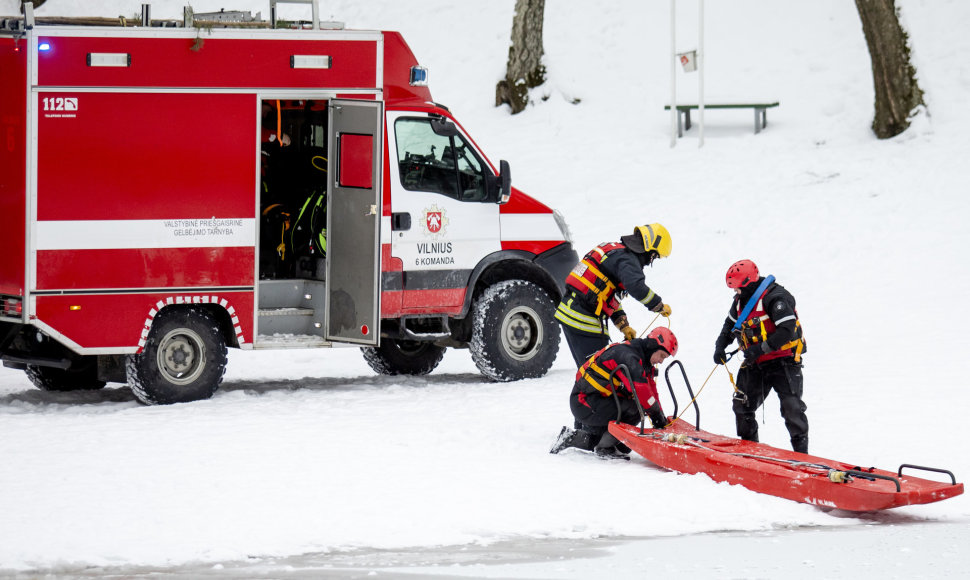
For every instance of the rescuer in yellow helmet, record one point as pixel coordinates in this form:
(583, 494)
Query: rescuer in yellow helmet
(608, 273)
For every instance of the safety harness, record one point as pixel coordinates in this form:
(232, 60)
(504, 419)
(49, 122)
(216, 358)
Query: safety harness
(754, 330)
(755, 298)
(591, 366)
(587, 279)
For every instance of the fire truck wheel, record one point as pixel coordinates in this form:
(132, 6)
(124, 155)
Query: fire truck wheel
(514, 333)
(183, 360)
(83, 375)
(403, 357)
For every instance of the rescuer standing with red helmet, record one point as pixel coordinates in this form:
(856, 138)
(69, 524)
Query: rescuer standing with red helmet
(601, 279)
(592, 400)
(765, 323)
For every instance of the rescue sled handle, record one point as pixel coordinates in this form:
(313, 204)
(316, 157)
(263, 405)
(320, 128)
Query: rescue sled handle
(673, 397)
(953, 479)
(616, 398)
(690, 391)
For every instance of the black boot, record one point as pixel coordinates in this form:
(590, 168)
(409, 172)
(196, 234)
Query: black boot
(800, 443)
(609, 447)
(562, 441)
(578, 438)
(611, 453)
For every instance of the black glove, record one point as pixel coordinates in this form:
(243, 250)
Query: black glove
(720, 357)
(752, 353)
(657, 418)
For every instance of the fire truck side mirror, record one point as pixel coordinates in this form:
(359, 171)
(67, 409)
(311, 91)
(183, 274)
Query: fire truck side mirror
(505, 182)
(443, 127)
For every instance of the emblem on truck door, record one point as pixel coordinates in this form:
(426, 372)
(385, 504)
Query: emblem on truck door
(435, 220)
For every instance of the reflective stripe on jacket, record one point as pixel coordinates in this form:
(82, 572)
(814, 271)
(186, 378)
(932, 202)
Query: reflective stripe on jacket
(568, 315)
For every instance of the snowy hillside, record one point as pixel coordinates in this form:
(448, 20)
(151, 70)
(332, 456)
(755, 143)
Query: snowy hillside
(309, 451)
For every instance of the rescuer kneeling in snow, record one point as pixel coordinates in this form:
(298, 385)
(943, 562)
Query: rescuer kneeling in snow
(593, 404)
(601, 279)
(764, 321)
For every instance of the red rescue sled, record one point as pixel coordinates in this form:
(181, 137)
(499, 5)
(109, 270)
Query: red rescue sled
(796, 476)
(788, 474)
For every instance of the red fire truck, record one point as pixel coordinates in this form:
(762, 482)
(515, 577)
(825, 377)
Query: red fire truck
(167, 192)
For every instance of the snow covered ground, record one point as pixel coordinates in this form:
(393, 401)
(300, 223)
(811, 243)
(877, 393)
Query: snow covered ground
(308, 452)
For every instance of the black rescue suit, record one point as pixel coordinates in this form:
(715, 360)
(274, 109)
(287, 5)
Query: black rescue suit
(773, 331)
(594, 289)
(592, 402)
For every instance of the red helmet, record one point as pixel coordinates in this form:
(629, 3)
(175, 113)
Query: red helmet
(665, 339)
(742, 273)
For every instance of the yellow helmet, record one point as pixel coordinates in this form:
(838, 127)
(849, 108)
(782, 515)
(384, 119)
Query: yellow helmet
(655, 237)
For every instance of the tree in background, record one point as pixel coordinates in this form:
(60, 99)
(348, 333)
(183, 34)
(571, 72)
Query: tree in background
(524, 70)
(897, 93)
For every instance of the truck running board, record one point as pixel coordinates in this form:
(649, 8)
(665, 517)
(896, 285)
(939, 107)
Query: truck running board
(427, 321)
(277, 341)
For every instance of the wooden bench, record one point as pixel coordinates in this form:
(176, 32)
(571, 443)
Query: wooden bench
(760, 113)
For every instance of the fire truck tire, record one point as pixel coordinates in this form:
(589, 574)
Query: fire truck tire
(403, 357)
(83, 375)
(514, 333)
(184, 359)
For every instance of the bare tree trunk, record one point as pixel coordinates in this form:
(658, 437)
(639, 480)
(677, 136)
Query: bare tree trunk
(897, 93)
(524, 70)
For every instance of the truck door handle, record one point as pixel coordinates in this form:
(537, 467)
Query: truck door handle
(400, 221)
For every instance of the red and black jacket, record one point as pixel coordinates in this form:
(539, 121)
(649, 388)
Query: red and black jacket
(605, 275)
(773, 320)
(593, 378)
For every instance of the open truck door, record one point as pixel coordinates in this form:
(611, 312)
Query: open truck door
(354, 180)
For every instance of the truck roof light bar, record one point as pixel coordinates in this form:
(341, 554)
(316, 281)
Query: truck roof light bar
(419, 76)
(320, 61)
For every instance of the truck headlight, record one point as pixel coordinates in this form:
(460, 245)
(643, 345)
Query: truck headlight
(563, 227)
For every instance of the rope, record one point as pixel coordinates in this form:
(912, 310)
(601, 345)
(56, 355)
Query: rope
(737, 392)
(642, 334)
(698, 394)
(834, 475)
